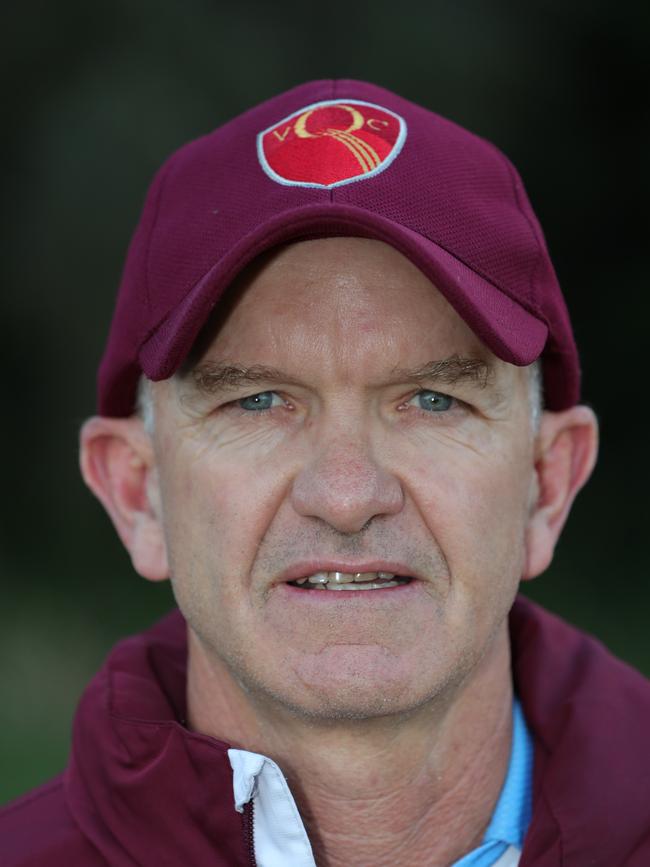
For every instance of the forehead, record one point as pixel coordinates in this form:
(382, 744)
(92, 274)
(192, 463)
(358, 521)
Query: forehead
(330, 293)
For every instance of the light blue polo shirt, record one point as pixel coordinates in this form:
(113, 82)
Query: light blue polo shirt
(280, 838)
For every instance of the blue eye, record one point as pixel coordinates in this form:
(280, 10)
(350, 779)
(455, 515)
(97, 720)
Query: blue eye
(257, 402)
(433, 401)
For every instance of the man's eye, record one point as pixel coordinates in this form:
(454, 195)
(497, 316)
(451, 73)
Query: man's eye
(260, 401)
(432, 401)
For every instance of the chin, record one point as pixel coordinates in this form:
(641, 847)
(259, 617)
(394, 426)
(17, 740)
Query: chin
(347, 682)
(346, 703)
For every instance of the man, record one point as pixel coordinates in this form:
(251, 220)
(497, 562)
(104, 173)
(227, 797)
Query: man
(321, 418)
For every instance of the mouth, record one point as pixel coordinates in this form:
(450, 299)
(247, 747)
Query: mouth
(350, 581)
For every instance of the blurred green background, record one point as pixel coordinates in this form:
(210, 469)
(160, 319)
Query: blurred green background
(97, 94)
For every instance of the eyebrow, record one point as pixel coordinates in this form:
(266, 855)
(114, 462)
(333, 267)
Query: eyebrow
(216, 376)
(448, 371)
(213, 376)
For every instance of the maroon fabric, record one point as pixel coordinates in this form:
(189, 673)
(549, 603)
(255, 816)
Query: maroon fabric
(141, 789)
(447, 199)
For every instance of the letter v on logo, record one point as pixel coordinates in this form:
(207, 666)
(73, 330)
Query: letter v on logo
(281, 135)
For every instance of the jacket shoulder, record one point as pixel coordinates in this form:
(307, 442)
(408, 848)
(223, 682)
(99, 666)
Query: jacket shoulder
(37, 830)
(589, 714)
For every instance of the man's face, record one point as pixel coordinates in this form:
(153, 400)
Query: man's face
(343, 448)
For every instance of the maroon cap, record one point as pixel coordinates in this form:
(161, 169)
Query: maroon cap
(338, 158)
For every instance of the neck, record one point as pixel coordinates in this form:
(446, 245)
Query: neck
(416, 789)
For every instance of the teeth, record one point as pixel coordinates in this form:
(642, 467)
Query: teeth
(344, 577)
(370, 576)
(341, 577)
(350, 580)
(317, 578)
(369, 585)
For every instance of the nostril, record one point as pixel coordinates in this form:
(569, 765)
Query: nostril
(347, 495)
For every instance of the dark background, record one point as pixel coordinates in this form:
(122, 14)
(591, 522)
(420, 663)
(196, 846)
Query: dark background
(97, 94)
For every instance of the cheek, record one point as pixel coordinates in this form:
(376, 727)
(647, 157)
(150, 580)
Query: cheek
(216, 511)
(475, 506)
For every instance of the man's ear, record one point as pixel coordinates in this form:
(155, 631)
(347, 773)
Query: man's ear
(565, 454)
(117, 463)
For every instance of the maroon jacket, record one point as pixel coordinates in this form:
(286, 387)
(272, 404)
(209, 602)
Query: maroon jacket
(140, 789)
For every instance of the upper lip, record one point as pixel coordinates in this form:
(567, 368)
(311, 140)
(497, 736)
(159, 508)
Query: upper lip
(309, 567)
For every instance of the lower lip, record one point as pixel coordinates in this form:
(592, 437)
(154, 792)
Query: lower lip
(385, 595)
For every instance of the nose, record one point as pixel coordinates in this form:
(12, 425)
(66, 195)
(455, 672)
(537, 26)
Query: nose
(344, 486)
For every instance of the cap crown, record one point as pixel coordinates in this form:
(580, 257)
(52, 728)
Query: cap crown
(337, 157)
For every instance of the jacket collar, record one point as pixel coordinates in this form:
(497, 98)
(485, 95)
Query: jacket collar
(144, 789)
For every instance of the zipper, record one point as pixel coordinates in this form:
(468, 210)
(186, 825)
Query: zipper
(249, 825)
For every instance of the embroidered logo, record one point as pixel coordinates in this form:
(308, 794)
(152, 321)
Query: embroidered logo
(331, 143)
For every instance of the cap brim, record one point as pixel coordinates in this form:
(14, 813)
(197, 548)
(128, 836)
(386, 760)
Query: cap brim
(510, 331)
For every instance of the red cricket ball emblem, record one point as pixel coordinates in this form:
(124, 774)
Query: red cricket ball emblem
(331, 143)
